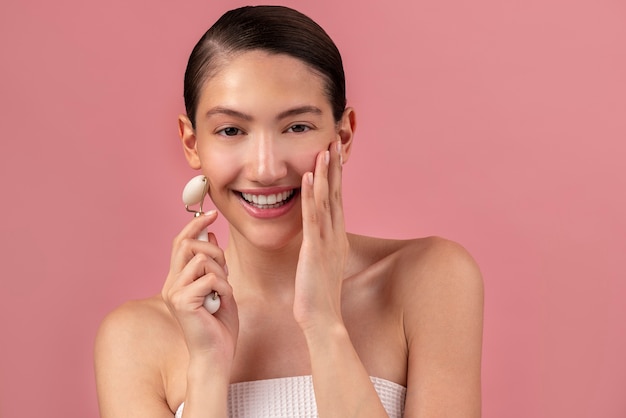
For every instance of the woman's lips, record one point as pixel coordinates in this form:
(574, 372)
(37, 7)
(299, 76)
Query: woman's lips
(268, 204)
(268, 201)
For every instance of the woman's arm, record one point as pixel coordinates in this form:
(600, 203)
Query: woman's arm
(443, 317)
(342, 385)
(128, 376)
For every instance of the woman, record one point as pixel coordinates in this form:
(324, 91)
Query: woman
(315, 320)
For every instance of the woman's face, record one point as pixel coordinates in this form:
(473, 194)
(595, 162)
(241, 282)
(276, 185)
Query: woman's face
(261, 121)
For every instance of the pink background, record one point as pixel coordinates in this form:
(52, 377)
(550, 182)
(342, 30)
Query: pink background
(499, 124)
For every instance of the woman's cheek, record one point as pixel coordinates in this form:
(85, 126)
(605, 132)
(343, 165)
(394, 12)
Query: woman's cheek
(220, 166)
(304, 160)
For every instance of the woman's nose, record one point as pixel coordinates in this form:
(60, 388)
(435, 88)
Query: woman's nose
(267, 164)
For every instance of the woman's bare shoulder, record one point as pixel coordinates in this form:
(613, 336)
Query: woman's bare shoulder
(385, 246)
(420, 270)
(134, 346)
(139, 328)
(135, 317)
(436, 267)
(436, 257)
(419, 259)
(436, 288)
(440, 288)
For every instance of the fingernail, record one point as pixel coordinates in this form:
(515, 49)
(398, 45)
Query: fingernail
(309, 177)
(210, 212)
(226, 269)
(327, 157)
(339, 147)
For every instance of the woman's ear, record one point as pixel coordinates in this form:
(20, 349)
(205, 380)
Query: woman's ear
(345, 131)
(188, 137)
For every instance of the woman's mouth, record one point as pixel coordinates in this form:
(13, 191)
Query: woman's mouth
(269, 201)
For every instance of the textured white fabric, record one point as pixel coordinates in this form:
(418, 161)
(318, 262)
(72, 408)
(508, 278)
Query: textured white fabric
(293, 397)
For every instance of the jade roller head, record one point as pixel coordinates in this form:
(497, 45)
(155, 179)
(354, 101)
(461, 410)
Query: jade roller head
(193, 194)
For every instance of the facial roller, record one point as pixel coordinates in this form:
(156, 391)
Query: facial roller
(193, 194)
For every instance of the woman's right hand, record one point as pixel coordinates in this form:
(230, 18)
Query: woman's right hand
(197, 268)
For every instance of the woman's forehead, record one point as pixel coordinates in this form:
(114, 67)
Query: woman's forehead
(258, 78)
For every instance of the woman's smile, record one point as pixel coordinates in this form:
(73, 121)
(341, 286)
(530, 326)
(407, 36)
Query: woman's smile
(268, 203)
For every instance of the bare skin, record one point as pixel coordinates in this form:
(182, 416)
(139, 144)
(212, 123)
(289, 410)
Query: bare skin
(300, 296)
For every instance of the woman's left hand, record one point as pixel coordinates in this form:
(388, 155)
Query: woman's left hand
(325, 244)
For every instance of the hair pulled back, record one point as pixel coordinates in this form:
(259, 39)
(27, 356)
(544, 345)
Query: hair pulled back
(275, 29)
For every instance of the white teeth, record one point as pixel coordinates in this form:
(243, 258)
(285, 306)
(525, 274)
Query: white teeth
(269, 200)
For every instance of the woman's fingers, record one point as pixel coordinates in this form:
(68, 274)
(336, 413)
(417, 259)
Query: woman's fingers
(200, 277)
(324, 247)
(198, 223)
(309, 215)
(334, 185)
(188, 248)
(191, 296)
(320, 191)
(314, 197)
(197, 269)
(322, 205)
(186, 244)
(185, 247)
(200, 265)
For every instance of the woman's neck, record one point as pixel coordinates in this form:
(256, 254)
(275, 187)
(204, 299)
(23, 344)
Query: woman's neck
(262, 271)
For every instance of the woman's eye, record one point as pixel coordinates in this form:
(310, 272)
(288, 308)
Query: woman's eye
(230, 131)
(298, 128)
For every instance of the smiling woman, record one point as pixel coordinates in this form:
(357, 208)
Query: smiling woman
(313, 320)
(249, 145)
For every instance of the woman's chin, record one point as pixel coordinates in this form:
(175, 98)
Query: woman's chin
(270, 238)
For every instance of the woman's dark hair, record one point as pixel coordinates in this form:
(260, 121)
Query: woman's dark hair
(275, 29)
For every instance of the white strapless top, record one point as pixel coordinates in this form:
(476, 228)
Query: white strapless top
(293, 397)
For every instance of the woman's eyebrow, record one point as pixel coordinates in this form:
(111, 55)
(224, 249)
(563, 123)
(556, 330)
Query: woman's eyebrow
(219, 110)
(299, 111)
